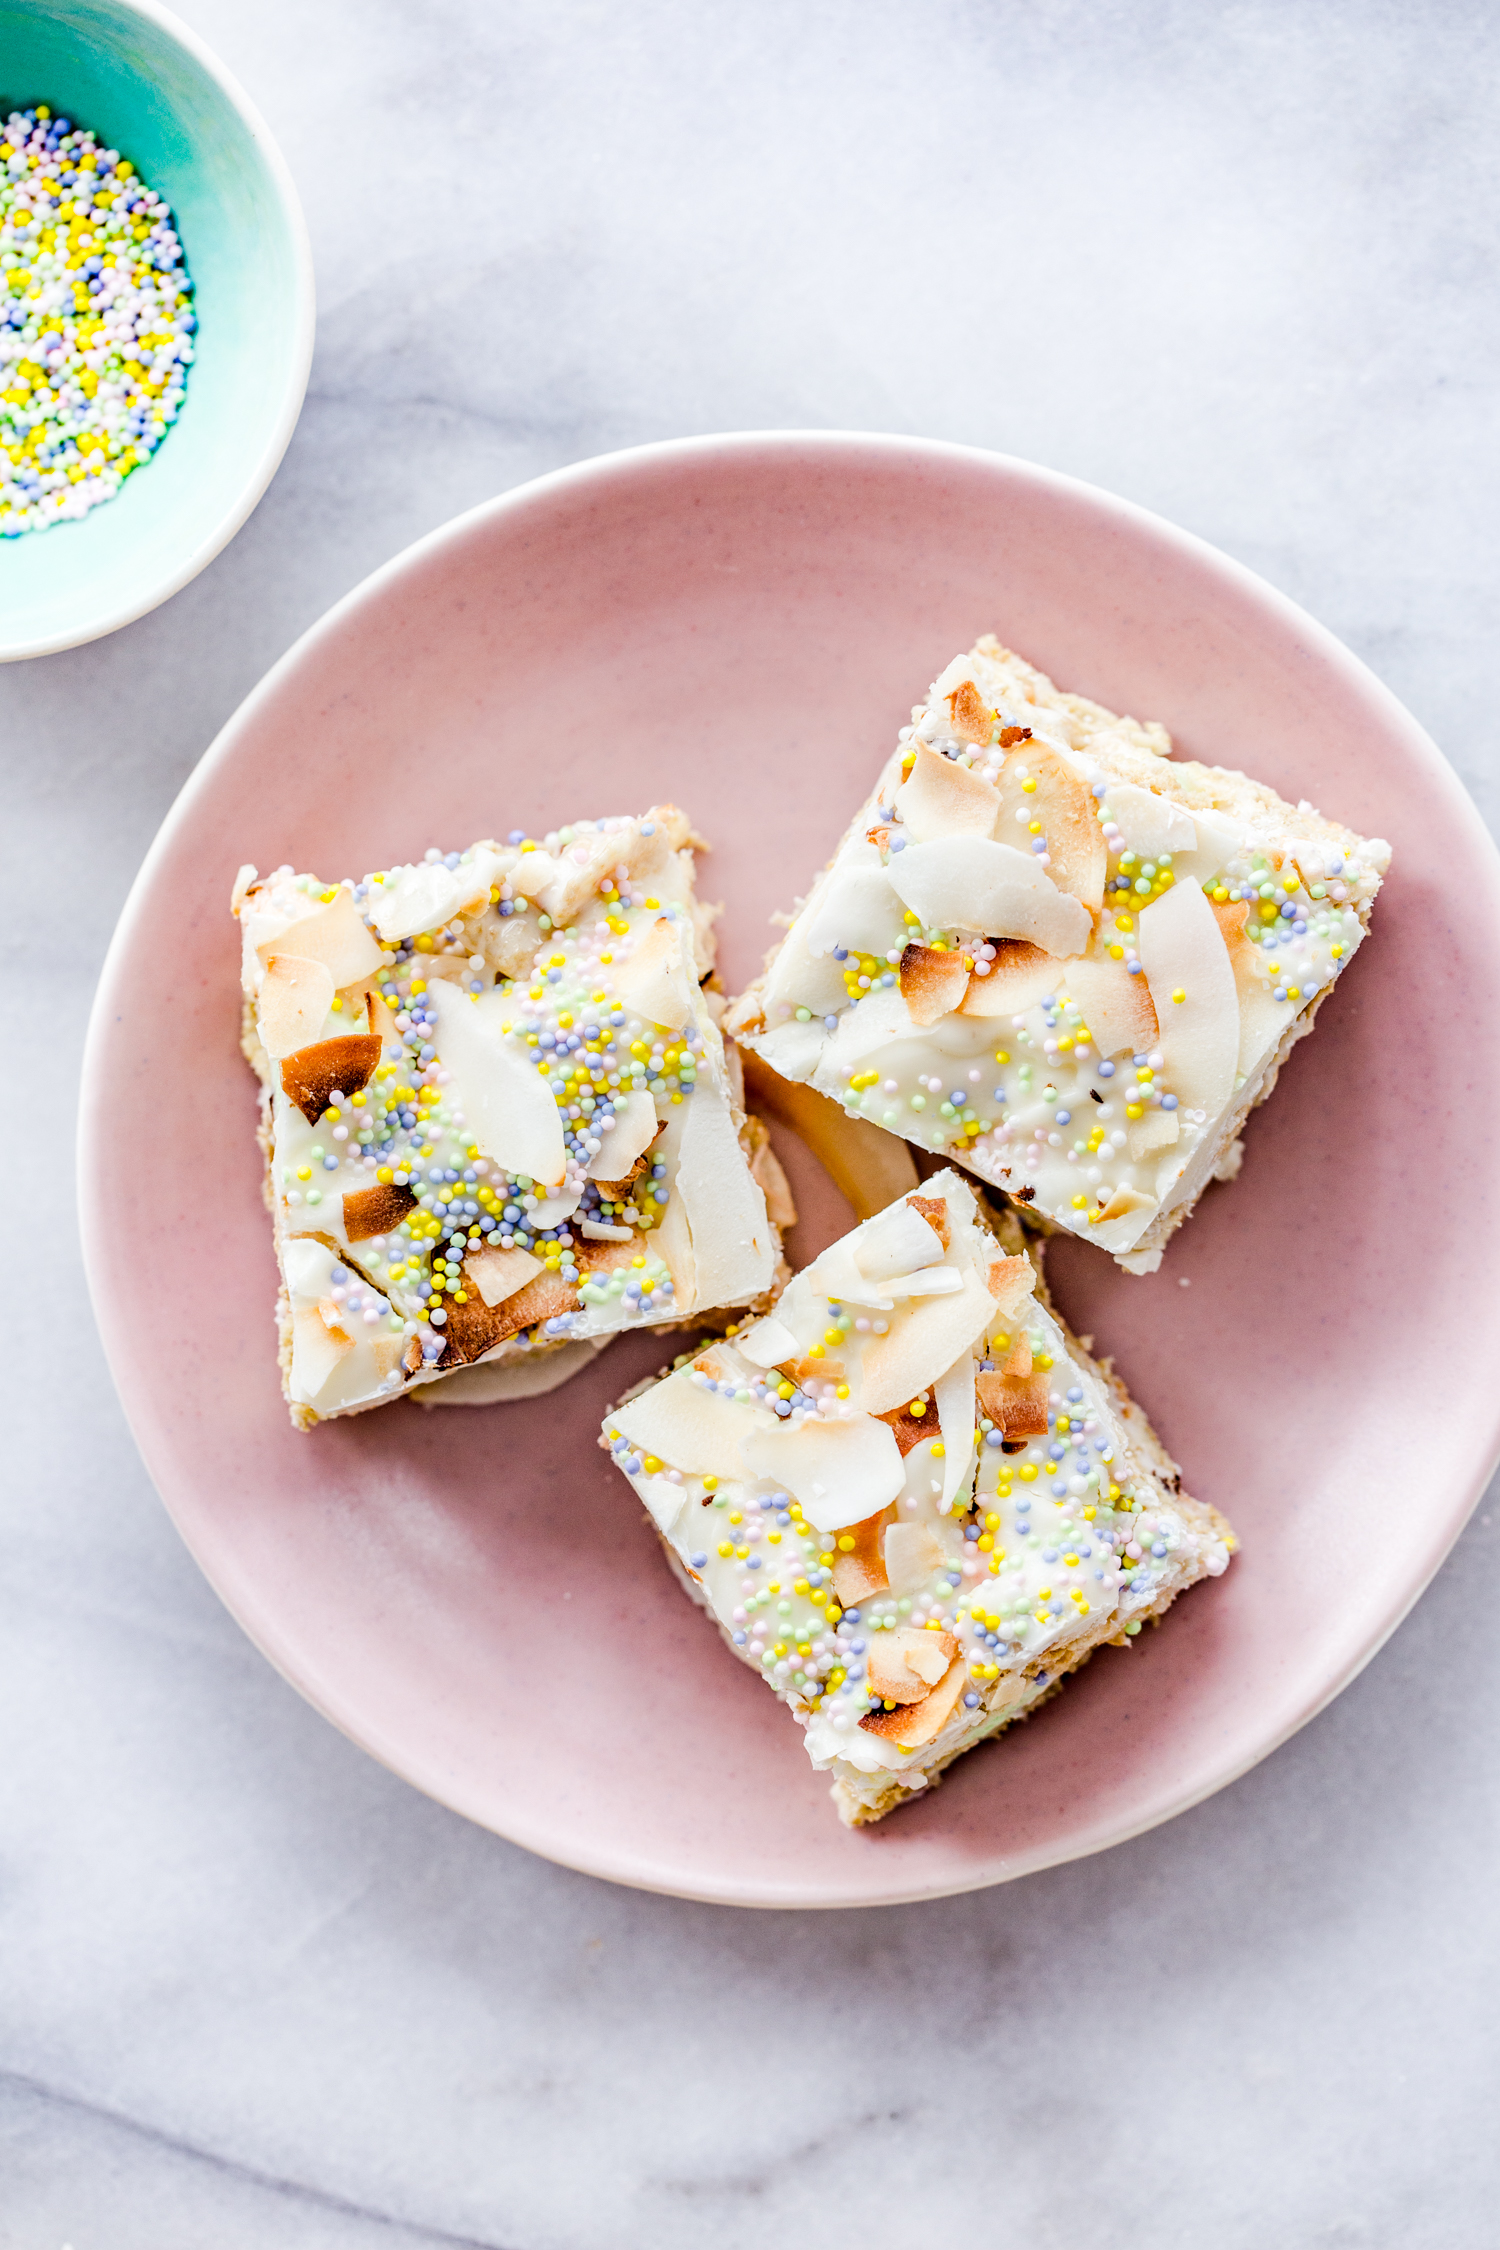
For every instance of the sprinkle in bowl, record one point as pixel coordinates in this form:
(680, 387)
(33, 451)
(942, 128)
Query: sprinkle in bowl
(129, 72)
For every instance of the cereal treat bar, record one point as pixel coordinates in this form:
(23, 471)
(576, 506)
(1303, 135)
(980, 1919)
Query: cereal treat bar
(497, 1111)
(1054, 953)
(909, 1498)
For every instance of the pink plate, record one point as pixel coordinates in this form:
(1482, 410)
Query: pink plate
(740, 624)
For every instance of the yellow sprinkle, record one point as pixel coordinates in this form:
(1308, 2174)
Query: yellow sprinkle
(1179, 994)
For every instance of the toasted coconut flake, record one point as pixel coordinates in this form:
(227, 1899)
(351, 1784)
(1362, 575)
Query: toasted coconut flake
(733, 1244)
(510, 1111)
(475, 1328)
(344, 1066)
(1181, 950)
(1145, 1135)
(1262, 1019)
(594, 1230)
(317, 1350)
(1121, 1204)
(334, 934)
(907, 1664)
(836, 1469)
(636, 1127)
(386, 1352)
(699, 1432)
(934, 1209)
(1018, 1359)
(656, 982)
(1010, 1282)
(856, 907)
(765, 1170)
(1018, 977)
(922, 1344)
(244, 883)
(912, 1724)
(292, 1004)
(1016, 1404)
(933, 982)
(672, 1241)
(971, 717)
(498, 1274)
(911, 1553)
(972, 883)
(1149, 822)
(899, 1240)
(768, 1343)
(910, 1429)
(379, 1014)
(940, 798)
(607, 1255)
(1116, 1006)
(1070, 822)
(376, 1210)
(861, 1573)
(429, 894)
(953, 1395)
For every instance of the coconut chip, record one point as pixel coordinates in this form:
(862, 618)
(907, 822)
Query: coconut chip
(861, 1571)
(345, 1066)
(933, 981)
(912, 1724)
(940, 798)
(1014, 981)
(376, 1210)
(906, 1665)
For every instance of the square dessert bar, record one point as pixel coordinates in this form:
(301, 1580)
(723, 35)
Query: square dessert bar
(909, 1498)
(497, 1111)
(1054, 953)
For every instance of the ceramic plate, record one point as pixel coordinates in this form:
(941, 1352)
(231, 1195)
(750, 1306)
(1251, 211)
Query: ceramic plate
(740, 624)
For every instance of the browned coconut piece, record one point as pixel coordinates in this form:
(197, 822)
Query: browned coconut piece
(1020, 975)
(935, 1211)
(1064, 804)
(382, 1021)
(973, 720)
(1018, 1360)
(1016, 1404)
(907, 1665)
(861, 1571)
(933, 982)
(1120, 1205)
(344, 1066)
(1010, 1279)
(912, 1724)
(911, 1428)
(474, 1327)
(942, 798)
(375, 1210)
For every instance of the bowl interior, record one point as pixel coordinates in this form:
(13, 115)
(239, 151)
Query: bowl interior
(741, 625)
(130, 77)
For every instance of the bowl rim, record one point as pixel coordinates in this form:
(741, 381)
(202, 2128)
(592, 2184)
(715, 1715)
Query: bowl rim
(279, 437)
(580, 1851)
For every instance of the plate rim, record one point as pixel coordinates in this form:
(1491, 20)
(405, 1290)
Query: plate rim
(983, 1871)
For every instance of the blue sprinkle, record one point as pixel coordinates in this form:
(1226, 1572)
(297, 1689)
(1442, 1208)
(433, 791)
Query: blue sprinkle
(1065, 1117)
(971, 1701)
(1060, 1491)
(830, 1023)
(1106, 1070)
(1169, 1101)
(697, 1561)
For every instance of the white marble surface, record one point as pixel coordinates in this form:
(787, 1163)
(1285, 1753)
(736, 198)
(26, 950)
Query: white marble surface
(256, 1993)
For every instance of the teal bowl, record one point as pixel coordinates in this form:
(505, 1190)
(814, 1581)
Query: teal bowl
(147, 85)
